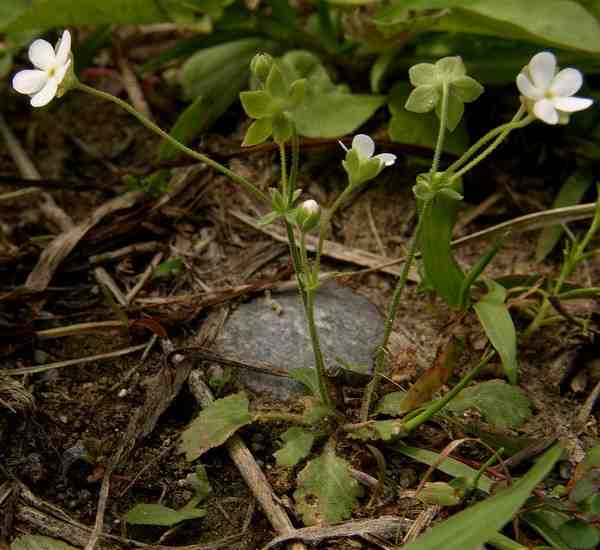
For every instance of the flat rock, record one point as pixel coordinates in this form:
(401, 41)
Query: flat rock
(275, 332)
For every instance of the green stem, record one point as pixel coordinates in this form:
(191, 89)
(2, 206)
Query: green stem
(569, 265)
(326, 223)
(442, 131)
(295, 161)
(284, 178)
(248, 186)
(389, 322)
(415, 422)
(490, 149)
(483, 140)
(314, 337)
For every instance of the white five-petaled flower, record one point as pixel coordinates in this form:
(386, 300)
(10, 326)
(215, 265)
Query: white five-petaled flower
(51, 66)
(548, 93)
(365, 147)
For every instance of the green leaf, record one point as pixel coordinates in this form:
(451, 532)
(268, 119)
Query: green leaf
(448, 465)
(579, 535)
(378, 430)
(19, 15)
(39, 542)
(379, 70)
(211, 68)
(477, 524)
(326, 492)
(441, 269)
(546, 523)
(167, 269)
(560, 23)
(157, 514)
(328, 110)
(308, 377)
(570, 194)
(499, 403)
(258, 132)
(297, 445)
(499, 327)
(186, 127)
(215, 424)
(420, 129)
(391, 403)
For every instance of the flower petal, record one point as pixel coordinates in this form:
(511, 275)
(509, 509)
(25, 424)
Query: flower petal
(544, 110)
(567, 82)
(387, 158)
(61, 71)
(527, 88)
(571, 104)
(46, 94)
(364, 145)
(63, 48)
(41, 54)
(29, 81)
(542, 68)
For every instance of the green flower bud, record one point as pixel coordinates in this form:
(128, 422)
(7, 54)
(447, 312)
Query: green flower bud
(440, 493)
(308, 215)
(261, 66)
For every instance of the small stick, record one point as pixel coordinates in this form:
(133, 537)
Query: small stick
(71, 362)
(138, 248)
(250, 470)
(373, 227)
(28, 170)
(131, 84)
(144, 278)
(103, 277)
(421, 523)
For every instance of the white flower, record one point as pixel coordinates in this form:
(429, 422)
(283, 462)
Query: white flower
(51, 66)
(548, 93)
(365, 147)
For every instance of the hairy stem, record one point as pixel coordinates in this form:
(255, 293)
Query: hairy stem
(243, 182)
(389, 322)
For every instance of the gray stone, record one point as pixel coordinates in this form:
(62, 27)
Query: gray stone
(350, 329)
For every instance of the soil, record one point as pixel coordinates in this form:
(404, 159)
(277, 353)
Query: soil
(59, 446)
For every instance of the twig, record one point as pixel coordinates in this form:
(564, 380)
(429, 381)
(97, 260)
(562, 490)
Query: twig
(131, 84)
(334, 250)
(374, 229)
(71, 362)
(69, 330)
(421, 523)
(250, 470)
(62, 245)
(384, 525)
(104, 278)
(138, 248)
(144, 277)
(587, 408)
(28, 170)
(475, 212)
